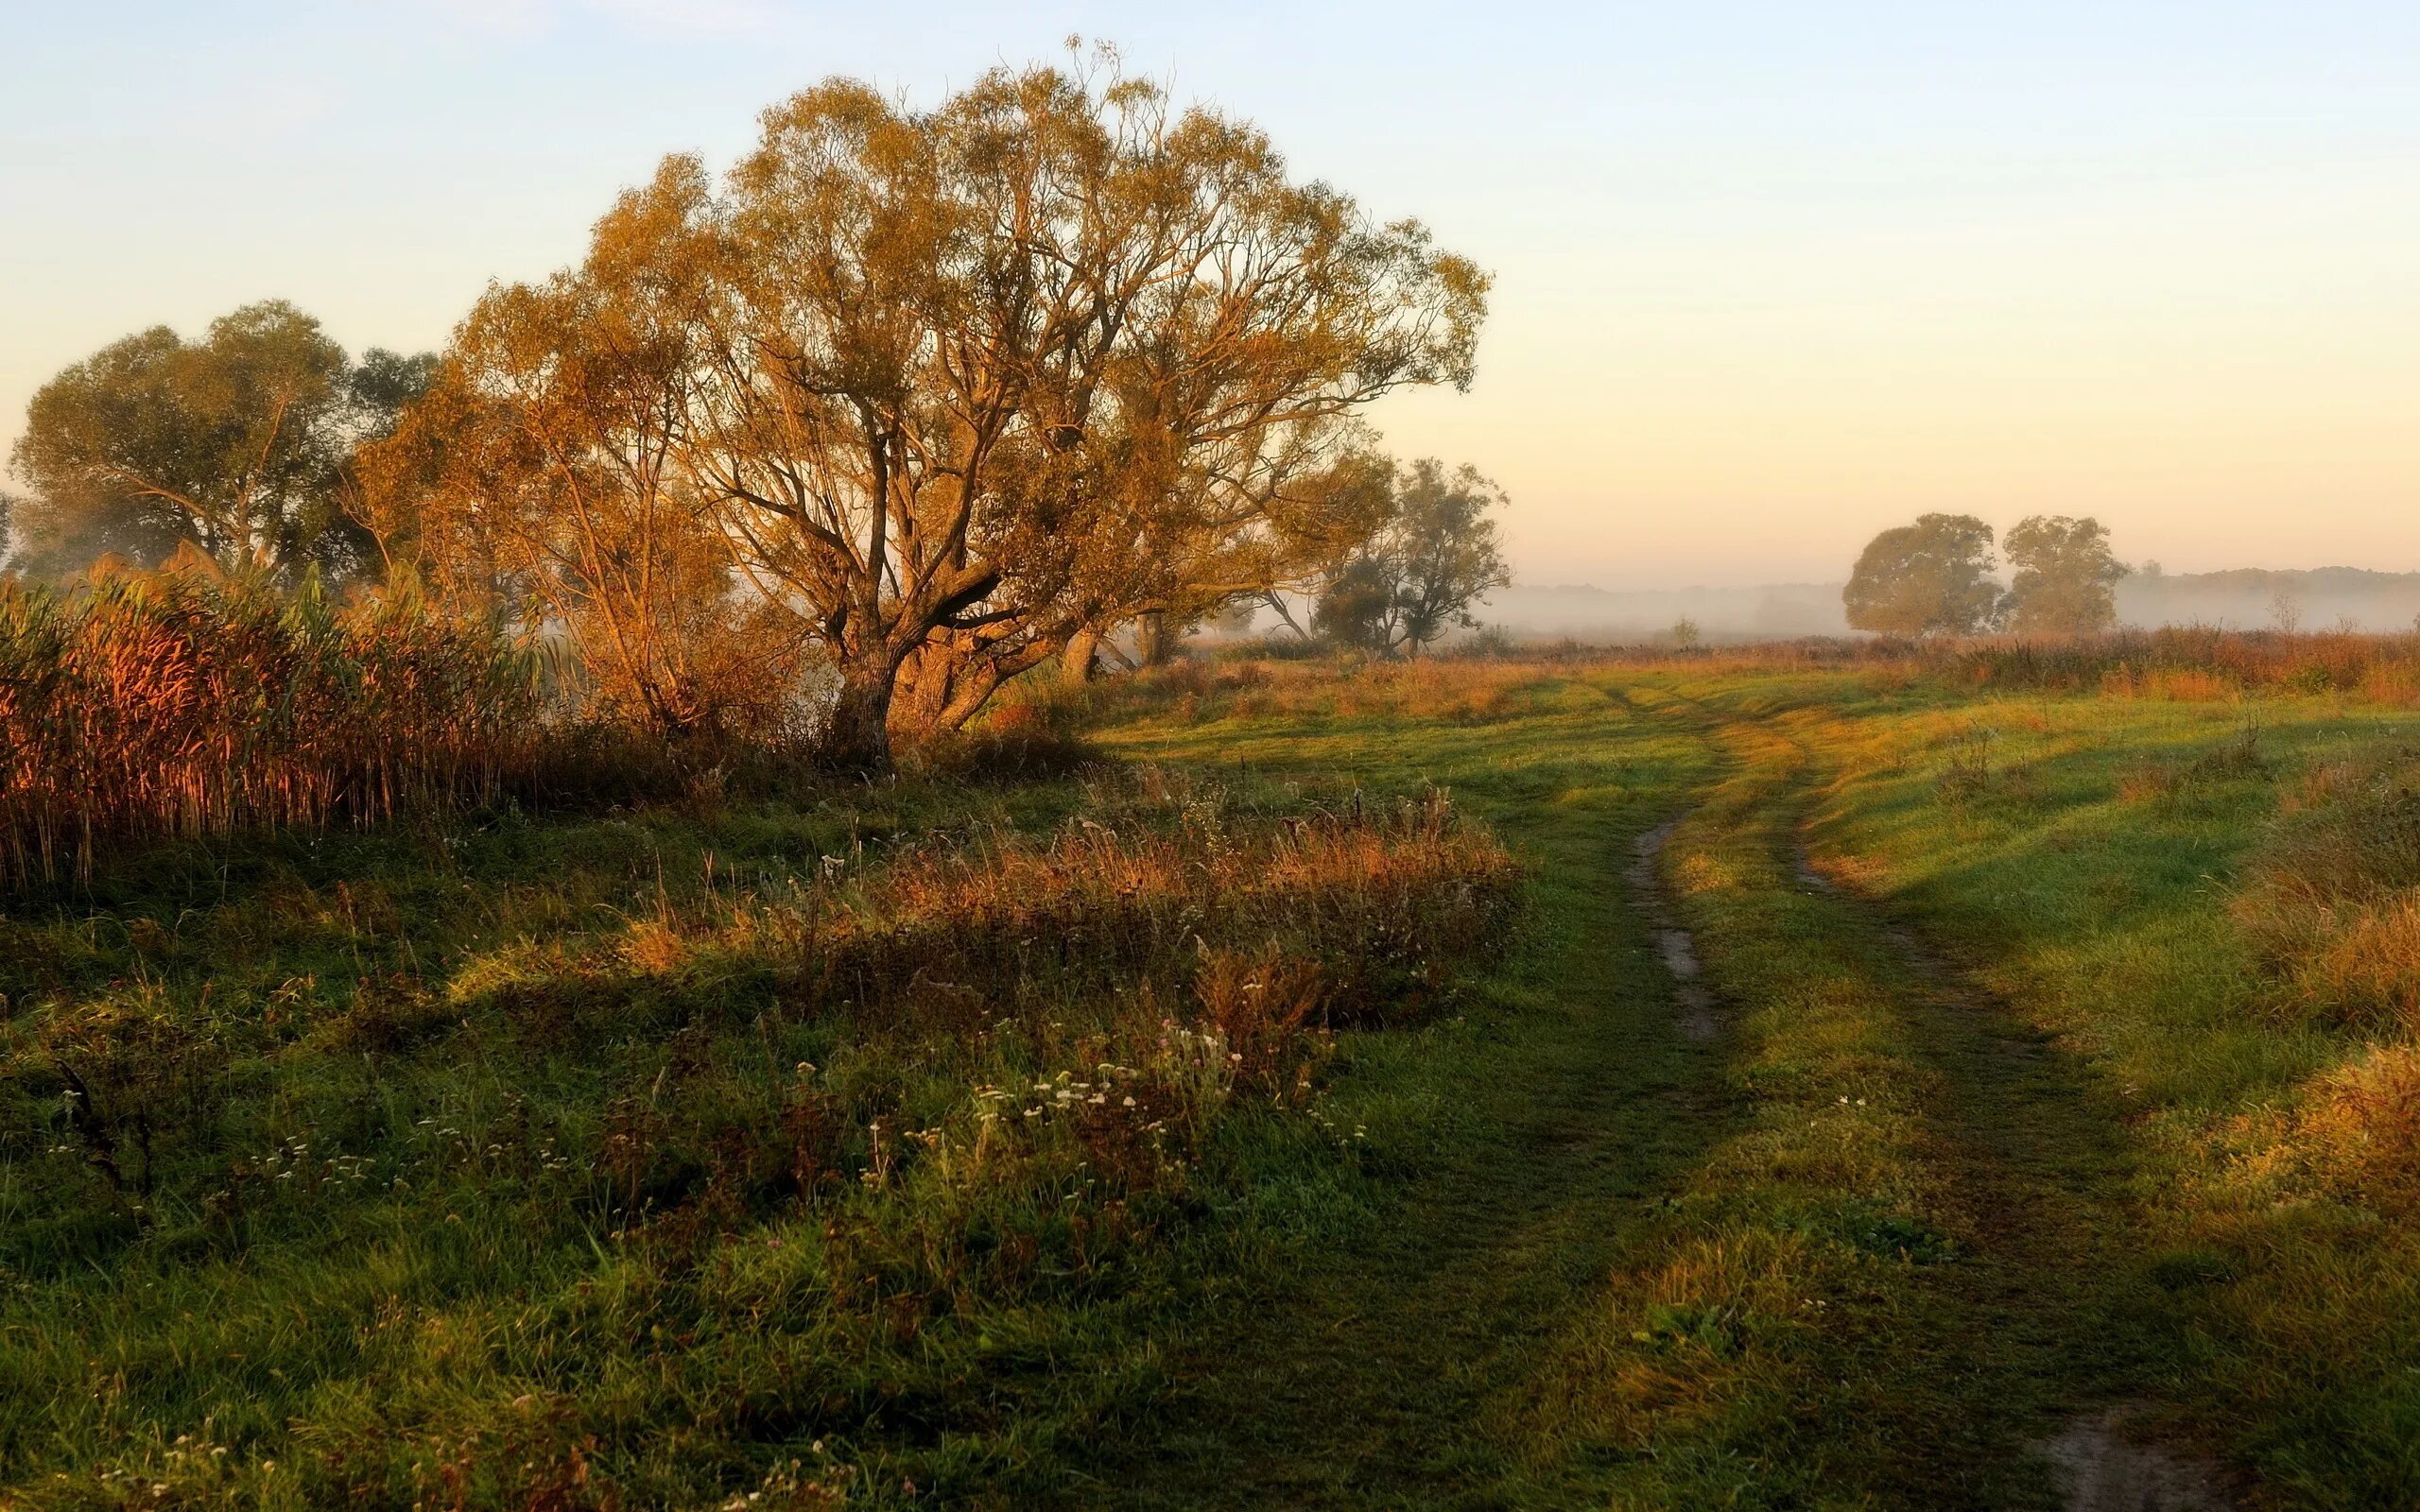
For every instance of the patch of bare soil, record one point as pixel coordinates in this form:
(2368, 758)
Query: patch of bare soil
(2098, 1468)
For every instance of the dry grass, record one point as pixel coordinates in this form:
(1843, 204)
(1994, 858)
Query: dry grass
(2191, 664)
(1277, 681)
(2333, 902)
(2358, 1127)
(953, 930)
(181, 703)
(1349, 687)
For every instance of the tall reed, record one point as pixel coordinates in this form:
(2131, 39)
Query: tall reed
(184, 702)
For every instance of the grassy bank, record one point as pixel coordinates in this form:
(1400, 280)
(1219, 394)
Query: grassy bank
(841, 1153)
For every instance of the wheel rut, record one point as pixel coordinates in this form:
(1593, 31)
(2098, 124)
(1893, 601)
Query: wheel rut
(1674, 945)
(2102, 1457)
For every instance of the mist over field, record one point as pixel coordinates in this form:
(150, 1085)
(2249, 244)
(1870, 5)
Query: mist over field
(2327, 598)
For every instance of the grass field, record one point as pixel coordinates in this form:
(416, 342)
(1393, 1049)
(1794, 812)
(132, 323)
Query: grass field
(1298, 1111)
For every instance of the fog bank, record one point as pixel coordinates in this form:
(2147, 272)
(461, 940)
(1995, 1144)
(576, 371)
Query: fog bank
(2244, 599)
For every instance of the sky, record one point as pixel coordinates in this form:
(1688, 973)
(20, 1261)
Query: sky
(1769, 277)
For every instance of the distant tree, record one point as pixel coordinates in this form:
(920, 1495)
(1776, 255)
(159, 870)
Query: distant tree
(2286, 610)
(1490, 640)
(385, 385)
(1417, 577)
(2151, 569)
(1684, 633)
(2065, 575)
(1237, 618)
(236, 443)
(1933, 578)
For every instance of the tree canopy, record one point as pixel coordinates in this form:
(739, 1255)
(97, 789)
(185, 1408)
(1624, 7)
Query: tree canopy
(1932, 577)
(949, 390)
(235, 443)
(1418, 576)
(924, 397)
(2066, 577)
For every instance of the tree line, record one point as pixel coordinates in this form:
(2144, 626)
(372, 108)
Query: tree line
(905, 404)
(1936, 578)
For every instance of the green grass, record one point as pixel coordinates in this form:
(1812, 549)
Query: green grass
(1395, 1359)
(1961, 1171)
(2005, 1122)
(2097, 902)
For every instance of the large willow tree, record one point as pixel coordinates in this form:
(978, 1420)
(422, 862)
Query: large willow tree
(955, 390)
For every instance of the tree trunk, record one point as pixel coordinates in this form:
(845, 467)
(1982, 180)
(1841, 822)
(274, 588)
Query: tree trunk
(1080, 660)
(968, 693)
(1151, 644)
(858, 738)
(921, 689)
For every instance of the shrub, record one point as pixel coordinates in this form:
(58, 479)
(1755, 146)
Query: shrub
(125, 1076)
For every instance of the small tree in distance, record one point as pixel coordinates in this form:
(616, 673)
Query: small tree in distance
(2066, 577)
(1933, 578)
(1419, 576)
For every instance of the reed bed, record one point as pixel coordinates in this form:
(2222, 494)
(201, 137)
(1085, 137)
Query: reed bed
(184, 702)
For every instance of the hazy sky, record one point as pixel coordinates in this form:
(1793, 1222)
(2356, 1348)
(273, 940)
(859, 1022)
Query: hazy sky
(1769, 276)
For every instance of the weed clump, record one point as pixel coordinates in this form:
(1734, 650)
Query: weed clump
(2358, 1129)
(2239, 760)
